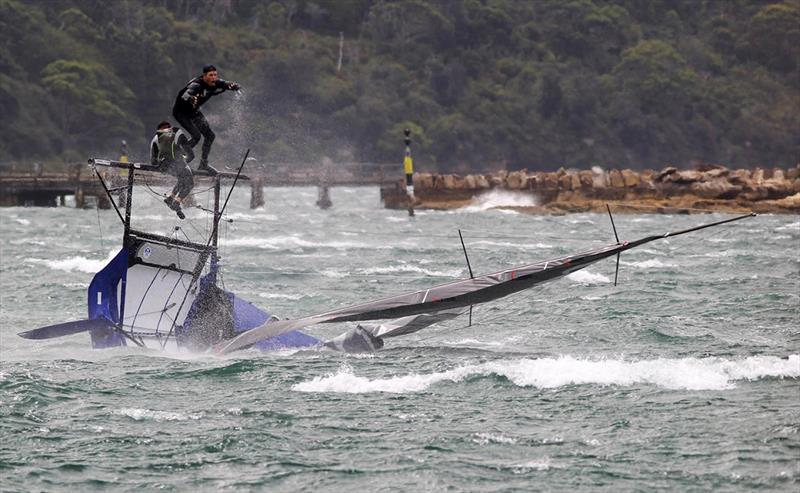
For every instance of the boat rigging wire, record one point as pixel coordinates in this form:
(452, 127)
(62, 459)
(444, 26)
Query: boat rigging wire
(199, 267)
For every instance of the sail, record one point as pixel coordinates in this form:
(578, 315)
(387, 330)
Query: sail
(452, 295)
(159, 291)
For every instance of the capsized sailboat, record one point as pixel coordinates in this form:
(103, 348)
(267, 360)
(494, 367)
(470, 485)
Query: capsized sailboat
(161, 290)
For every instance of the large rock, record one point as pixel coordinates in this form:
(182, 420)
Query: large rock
(665, 174)
(469, 182)
(565, 182)
(768, 190)
(482, 182)
(575, 180)
(646, 179)
(599, 179)
(586, 178)
(550, 181)
(688, 176)
(758, 176)
(499, 179)
(615, 179)
(538, 181)
(717, 172)
(790, 204)
(423, 181)
(517, 180)
(740, 177)
(719, 188)
(630, 178)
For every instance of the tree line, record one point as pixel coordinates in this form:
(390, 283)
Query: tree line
(482, 84)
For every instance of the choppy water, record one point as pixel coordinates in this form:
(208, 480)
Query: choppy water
(685, 376)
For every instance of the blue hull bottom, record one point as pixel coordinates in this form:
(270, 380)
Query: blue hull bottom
(103, 304)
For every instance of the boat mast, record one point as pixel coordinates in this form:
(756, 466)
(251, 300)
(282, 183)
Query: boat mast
(214, 267)
(126, 242)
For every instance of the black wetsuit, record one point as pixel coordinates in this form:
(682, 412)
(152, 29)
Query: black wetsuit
(167, 150)
(189, 115)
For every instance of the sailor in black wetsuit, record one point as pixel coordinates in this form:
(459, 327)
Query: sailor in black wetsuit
(170, 150)
(187, 109)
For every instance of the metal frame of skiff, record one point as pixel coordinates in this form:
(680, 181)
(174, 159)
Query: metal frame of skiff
(130, 236)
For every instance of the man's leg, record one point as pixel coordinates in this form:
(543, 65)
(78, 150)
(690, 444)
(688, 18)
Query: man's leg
(173, 200)
(185, 182)
(199, 121)
(186, 121)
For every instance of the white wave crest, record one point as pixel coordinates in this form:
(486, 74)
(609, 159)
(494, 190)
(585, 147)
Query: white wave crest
(508, 244)
(586, 277)
(487, 438)
(143, 414)
(291, 242)
(280, 296)
(546, 373)
(532, 465)
(255, 217)
(500, 198)
(789, 227)
(80, 264)
(649, 264)
(396, 269)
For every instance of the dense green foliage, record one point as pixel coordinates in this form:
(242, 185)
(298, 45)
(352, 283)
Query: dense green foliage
(483, 83)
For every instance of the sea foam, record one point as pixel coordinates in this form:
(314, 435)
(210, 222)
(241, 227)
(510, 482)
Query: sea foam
(586, 277)
(548, 373)
(80, 264)
(499, 198)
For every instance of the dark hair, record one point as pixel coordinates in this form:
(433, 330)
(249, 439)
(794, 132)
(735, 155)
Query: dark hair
(208, 68)
(164, 124)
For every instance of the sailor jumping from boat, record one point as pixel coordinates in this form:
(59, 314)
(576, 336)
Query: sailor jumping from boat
(170, 150)
(187, 109)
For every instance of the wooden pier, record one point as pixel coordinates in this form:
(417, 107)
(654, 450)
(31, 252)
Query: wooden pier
(51, 189)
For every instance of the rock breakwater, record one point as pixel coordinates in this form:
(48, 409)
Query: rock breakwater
(710, 188)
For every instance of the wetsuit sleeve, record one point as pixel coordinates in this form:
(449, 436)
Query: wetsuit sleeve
(193, 89)
(183, 143)
(154, 153)
(221, 86)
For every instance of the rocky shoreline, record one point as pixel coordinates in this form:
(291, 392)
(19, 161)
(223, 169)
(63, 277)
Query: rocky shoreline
(709, 188)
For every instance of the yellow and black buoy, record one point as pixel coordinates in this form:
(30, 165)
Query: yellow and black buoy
(408, 166)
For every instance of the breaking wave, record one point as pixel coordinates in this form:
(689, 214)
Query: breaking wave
(500, 198)
(649, 264)
(148, 414)
(795, 226)
(79, 264)
(398, 269)
(281, 296)
(548, 373)
(586, 277)
(291, 242)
